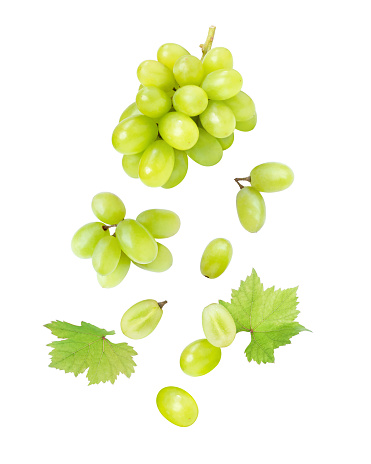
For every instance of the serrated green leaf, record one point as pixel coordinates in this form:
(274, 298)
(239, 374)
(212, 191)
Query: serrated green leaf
(86, 347)
(269, 315)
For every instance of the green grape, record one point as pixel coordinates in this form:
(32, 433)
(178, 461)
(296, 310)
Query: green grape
(248, 125)
(207, 150)
(190, 100)
(168, 54)
(188, 70)
(131, 110)
(177, 406)
(133, 135)
(216, 258)
(141, 319)
(250, 209)
(218, 119)
(106, 255)
(222, 84)
(136, 242)
(161, 223)
(108, 208)
(218, 324)
(163, 261)
(242, 106)
(178, 130)
(130, 164)
(153, 102)
(179, 171)
(152, 72)
(118, 275)
(217, 58)
(156, 164)
(199, 358)
(226, 142)
(271, 177)
(86, 238)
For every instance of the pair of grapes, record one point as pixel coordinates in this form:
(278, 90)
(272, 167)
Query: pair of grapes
(133, 240)
(185, 107)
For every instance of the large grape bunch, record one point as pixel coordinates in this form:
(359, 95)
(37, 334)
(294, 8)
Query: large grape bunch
(185, 107)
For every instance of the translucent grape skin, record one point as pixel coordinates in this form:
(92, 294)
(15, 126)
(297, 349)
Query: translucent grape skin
(106, 255)
(271, 177)
(153, 102)
(216, 258)
(218, 324)
(207, 151)
(154, 73)
(188, 70)
(178, 130)
(136, 242)
(108, 208)
(133, 135)
(217, 58)
(248, 125)
(161, 223)
(250, 209)
(169, 53)
(179, 171)
(177, 406)
(130, 164)
(242, 106)
(131, 110)
(163, 261)
(226, 142)
(86, 238)
(222, 84)
(156, 164)
(118, 275)
(141, 319)
(190, 100)
(218, 119)
(199, 358)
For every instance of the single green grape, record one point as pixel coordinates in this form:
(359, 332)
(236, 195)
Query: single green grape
(218, 324)
(131, 110)
(136, 242)
(177, 406)
(199, 358)
(271, 177)
(242, 106)
(226, 142)
(151, 72)
(218, 119)
(163, 261)
(130, 164)
(141, 319)
(178, 130)
(188, 70)
(133, 135)
(222, 84)
(216, 258)
(248, 125)
(108, 208)
(217, 58)
(106, 255)
(169, 53)
(250, 209)
(190, 100)
(118, 275)
(207, 150)
(86, 238)
(153, 102)
(161, 223)
(156, 164)
(179, 171)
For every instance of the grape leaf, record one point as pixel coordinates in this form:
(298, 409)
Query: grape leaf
(86, 347)
(269, 315)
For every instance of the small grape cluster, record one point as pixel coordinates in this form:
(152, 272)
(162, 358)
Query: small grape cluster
(185, 107)
(132, 242)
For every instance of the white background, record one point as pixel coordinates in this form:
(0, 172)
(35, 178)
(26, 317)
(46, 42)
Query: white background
(69, 70)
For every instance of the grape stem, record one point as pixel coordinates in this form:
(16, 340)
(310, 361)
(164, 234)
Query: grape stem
(247, 179)
(163, 303)
(209, 42)
(107, 227)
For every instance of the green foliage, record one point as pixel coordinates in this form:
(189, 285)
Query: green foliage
(86, 347)
(269, 315)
